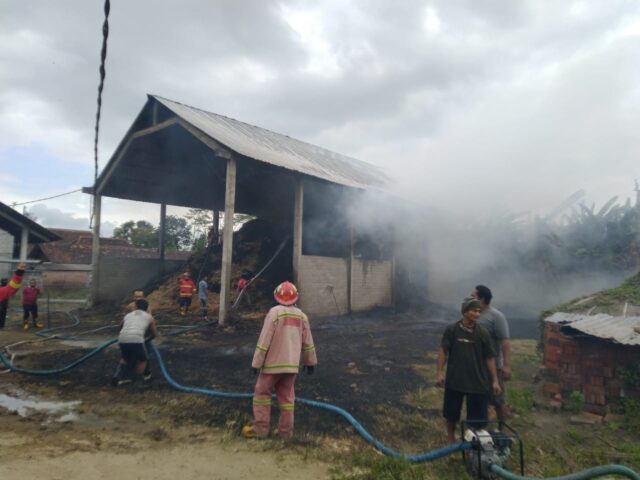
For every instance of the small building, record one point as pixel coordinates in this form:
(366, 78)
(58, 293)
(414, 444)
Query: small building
(67, 261)
(174, 154)
(17, 231)
(589, 354)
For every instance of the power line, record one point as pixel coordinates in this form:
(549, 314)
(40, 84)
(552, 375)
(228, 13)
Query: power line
(47, 198)
(103, 57)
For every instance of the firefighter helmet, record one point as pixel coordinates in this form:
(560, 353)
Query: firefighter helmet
(286, 293)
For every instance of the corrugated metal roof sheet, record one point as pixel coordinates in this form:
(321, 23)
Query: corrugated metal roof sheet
(623, 330)
(280, 150)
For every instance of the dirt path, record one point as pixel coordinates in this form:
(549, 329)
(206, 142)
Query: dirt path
(95, 443)
(370, 364)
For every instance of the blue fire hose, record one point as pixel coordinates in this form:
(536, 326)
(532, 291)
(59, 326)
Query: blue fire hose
(583, 475)
(420, 458)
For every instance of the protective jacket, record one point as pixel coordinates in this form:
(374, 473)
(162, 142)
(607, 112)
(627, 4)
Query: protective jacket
(187, 287)
(12, 288)
(285, 337)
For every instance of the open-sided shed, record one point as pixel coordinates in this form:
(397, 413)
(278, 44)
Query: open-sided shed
(175, 154)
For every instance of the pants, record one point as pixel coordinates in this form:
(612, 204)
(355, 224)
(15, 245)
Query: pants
(203, 307)
(33, 309)
(477, 407)
(284, 385)
(3, 312)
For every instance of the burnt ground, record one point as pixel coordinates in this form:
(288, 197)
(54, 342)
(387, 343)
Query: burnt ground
(366, 366)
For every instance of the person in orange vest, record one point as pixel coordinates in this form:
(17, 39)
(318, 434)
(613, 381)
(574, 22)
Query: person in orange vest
(187, 289)
(285, 338)
(30, 304)
(11, 288)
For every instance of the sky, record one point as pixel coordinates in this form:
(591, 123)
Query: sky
(470, 104)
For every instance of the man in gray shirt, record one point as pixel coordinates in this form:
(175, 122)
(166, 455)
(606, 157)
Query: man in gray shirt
(496, 323)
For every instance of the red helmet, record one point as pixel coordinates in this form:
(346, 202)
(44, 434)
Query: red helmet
(286, 293)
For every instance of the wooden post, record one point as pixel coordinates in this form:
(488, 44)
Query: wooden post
(227, 241)
(216, 228)
(163, 231)
(350, 269)
(162, 235)
(95, 251)
(297, 230)
(24, 242)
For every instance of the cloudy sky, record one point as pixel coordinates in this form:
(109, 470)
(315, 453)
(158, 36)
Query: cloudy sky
(516, 104)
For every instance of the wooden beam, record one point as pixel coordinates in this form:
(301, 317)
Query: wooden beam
(219, 149)
(163, 231)
(24, 242)
(124, 147)
(155, 128)
(298, 208)
(216, 227)
(227, 241)
(350, 288)
(95, 251)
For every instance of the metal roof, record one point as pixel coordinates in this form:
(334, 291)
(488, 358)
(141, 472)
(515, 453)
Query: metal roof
(622, 330)
(280, 150)
(13, 222)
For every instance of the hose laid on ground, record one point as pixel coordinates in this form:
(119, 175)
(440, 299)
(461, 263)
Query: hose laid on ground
(55, 371)
(584, 475)
(424, 457)
(420, 458)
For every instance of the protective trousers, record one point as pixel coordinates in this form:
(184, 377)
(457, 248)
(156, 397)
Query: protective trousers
(284, 386)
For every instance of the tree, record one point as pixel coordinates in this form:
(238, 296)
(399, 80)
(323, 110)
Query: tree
(177, 234)
(200, 221)
(138, 233)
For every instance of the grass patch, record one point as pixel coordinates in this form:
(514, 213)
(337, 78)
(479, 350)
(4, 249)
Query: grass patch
(425, 397)
(372, 466)
(520, 399)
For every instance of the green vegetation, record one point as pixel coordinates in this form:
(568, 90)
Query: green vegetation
(576, 401)
(553, 445)
(520, 400)
(630, 376)
(607, 301)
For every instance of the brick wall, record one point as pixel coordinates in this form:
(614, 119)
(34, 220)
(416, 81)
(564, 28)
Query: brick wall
(587, 365)
(119, 276)
(320, 279)
(371, 284)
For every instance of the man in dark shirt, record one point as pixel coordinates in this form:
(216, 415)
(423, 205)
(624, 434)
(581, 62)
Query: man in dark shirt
(467, 351)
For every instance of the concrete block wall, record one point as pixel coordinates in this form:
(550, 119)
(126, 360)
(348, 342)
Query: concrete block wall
(66, 279)
(319, 279)
(6, 251)
(371, 284)
(119, 276)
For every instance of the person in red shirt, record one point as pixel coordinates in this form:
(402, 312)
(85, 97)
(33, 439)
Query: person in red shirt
(187, 289)
(243, 283)
(9, 289)
(30, 305)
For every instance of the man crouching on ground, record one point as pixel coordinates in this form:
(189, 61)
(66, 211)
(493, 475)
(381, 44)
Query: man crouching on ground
(131, 340)
(471, 369)
(285, 336)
